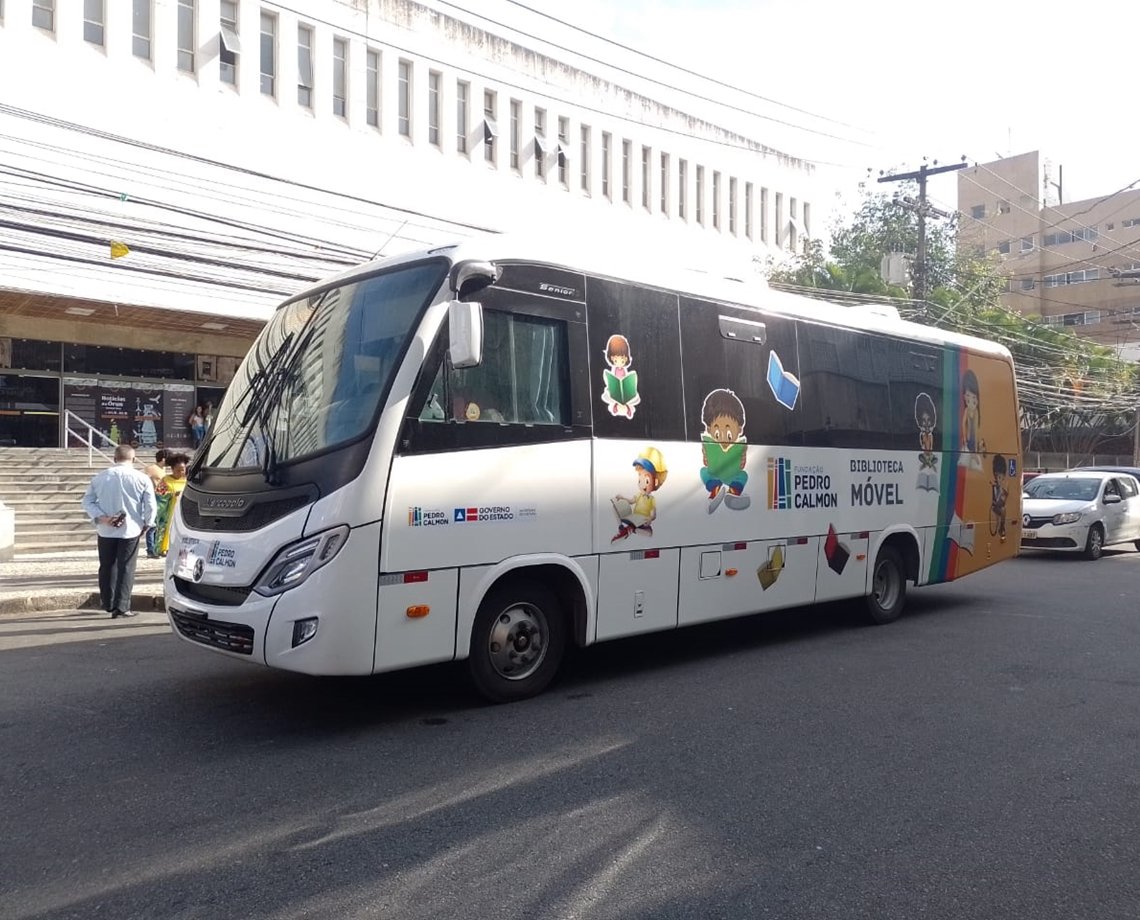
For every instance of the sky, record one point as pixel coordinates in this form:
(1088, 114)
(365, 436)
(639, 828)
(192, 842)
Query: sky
(897, 82)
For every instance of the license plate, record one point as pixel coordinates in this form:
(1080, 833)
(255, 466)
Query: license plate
(1029, 535)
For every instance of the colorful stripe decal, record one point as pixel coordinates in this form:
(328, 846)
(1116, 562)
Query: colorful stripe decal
(944, 556)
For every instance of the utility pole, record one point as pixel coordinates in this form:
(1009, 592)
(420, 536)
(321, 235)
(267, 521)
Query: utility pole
(922, 209)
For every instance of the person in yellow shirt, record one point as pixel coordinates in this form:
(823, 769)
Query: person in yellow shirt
(172, 485)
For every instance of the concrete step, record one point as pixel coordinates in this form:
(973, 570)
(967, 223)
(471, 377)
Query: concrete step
(47, 503)
(56, 538)
(30, 529)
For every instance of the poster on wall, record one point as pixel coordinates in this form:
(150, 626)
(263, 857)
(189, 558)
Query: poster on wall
(179, 400)
(149, 416)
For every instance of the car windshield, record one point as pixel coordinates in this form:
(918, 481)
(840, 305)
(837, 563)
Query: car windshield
(1063, 488)
(316, 374)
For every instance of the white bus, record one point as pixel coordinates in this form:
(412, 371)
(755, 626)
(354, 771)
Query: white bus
(488, 451)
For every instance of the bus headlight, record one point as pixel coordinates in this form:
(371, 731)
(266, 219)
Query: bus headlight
(299, 560)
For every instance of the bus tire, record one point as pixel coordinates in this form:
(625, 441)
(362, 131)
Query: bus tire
(517, 641)
(887, 596)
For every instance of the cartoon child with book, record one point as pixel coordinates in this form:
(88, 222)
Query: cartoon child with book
(637, 513)
(620, 393)
(926, 418)
(971, 421)
(724, 451)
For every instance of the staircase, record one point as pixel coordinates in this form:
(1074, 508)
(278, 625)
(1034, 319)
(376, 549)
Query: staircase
(44, 486)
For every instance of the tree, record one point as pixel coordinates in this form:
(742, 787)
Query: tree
(1075, 395)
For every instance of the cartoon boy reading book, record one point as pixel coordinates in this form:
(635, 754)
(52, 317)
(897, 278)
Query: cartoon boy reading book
(724, 450)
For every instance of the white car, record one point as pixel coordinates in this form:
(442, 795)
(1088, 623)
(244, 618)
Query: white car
(1080, 511)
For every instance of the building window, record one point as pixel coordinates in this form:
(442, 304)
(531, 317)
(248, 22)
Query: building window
(43, 14)
(404, 93)
(435, 81)
(716, 200)
(781, 230)
(1003, 207)
(93, 21)
(490, 125)
(187, 35)
(682, 191)
(807, 221)
(607, 156)
(540, 143)
(462, 100)
(700, 202)
(732, 205)
(664, 183)
(1027, 244)
(516, 133)
(748, 210)
(563, 150)
(140, 26)
(269, 54)
(340, 77)
(372, 88)
(1004, 247)
(1129, 222)
(763, 215)
(585, 130)
(626, 172)
(305, 66)
(646, 177)
(978, 211)
(1027, 284)
(793, 225)
(229, 46)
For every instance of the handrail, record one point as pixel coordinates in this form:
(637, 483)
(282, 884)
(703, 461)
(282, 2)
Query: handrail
(89, 441)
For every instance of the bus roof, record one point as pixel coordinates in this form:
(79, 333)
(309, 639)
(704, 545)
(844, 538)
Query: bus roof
(728, 275)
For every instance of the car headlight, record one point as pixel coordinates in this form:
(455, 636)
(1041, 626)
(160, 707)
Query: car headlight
(1069, 517)
(296, 562)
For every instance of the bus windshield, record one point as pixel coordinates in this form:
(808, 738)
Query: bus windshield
(316, 374)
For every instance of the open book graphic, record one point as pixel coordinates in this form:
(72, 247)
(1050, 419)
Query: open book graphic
(785, 386)
(621, 390)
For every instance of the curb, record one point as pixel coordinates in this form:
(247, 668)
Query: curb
(72, 600)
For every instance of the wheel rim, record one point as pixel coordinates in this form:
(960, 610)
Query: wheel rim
(516, 644)
(1095, 541)
(885, 586)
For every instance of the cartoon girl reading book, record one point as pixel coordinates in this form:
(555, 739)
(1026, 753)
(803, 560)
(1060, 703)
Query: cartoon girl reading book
(620, 392)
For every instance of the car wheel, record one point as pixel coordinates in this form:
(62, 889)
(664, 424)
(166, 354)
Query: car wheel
(517, 641)
(1094, 545)
(888, 588)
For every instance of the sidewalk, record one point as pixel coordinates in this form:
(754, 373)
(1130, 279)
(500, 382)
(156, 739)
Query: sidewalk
(69, 580)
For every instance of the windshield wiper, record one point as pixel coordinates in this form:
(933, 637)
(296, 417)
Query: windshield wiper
(284, 374)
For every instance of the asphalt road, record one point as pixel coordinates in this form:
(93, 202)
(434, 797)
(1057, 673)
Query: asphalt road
(977, 759)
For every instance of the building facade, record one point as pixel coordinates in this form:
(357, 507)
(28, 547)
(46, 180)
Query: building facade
(1071, 264)
(173, 169)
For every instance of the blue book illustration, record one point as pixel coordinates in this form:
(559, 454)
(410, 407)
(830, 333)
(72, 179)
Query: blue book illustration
(785, 386)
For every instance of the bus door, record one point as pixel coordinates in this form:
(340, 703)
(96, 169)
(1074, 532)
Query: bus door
(493, 462)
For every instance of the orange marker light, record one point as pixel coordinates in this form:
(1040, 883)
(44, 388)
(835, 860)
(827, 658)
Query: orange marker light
(860, 556)
(730, 572)
(416, 611)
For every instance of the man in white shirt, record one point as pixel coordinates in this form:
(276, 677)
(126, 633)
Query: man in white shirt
(120, 501)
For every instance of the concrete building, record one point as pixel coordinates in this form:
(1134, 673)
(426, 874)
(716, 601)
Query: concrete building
(1070, 263)
(170, 170)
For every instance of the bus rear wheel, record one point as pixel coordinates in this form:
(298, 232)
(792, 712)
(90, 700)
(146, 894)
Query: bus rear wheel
(517, 641)
(888, 587)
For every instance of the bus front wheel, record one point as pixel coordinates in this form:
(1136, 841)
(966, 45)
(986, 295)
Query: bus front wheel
(888, 587)
(517, 641)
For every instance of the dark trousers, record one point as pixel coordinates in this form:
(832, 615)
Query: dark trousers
(117, 557)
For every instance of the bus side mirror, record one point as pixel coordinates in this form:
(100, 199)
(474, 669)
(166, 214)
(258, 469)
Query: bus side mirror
(465, 333)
